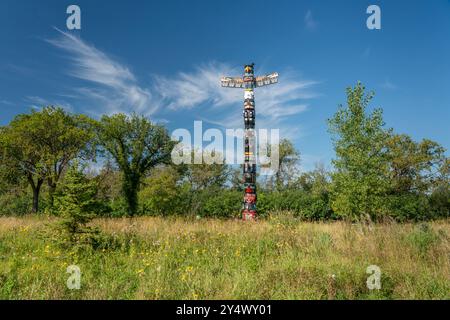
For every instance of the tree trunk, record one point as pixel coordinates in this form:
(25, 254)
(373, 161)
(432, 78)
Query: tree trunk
(130, 190)
(35, 208)
(51, 192)
(36, 190)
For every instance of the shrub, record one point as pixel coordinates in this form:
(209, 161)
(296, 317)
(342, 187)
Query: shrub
(408, 207)
(161, 195)
(77, 205)
(422, 238)
(225, 204)
(301, 204)
(440, 202)
(12, 203)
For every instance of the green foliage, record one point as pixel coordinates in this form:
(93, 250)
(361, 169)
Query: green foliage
(440, 201)
(408, 206)
(288, 159)
(224, 204)
(377, 173)
(136, 145)
(206, 176)
(414, 167)
(15, 198)
(161, 194)
(359, 182)
(15, 203)
(422, 238)
(40, 145)
(109, 193)
(301, 204)
(77, 206)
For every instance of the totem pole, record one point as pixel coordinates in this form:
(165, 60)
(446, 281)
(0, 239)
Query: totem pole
(248, 82)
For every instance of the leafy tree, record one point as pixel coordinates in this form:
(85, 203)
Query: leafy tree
(414, 166)
(161, 194)
(236, 179)
(19, 153)
(316, 182)
(206, 176)
(288, 161)
(203, 182)
(40, 146)
(359, 182)
(76, 204)
(109, 187)
(136, 145)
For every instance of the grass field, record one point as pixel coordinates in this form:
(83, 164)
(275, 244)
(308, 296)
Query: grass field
(155, 258)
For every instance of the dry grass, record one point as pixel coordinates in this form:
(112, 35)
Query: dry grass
(156, 258)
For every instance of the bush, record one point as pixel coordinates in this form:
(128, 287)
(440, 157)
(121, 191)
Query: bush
(224, 204)
(162, 195)
(408, 207)
(301, 204)
(77, 206)
(15, 204)
(440, 202)
(422, 238)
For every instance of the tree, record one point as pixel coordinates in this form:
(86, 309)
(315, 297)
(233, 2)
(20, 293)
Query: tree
(207, 176)
(76, 204)
(316, 182)
(20, 154)
(288, 159)
(161, 194)
(359, 182)
(235, 178)
(414, 166)
(136, 145)
(40, 146)
(109, 185)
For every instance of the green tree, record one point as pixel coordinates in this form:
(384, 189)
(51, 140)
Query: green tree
(76, 204)
(414, 166)
(288, 161)
(204, 181)
(235, 179)
(109, 189)
(161, 194)
(207, 176)
(359, 181)
(40, 146)
(136, 145)
(316, 182)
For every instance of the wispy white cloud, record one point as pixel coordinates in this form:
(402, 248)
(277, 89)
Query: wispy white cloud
(274, 104)
(310, 23)
(6, 102)
(190, 89)
(116, 86)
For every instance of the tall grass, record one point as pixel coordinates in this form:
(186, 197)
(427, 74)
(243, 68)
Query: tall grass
(279, 258)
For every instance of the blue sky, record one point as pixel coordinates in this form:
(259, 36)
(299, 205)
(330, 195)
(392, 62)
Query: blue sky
(164, 59)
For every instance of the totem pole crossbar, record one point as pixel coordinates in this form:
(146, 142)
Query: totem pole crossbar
(249, 82)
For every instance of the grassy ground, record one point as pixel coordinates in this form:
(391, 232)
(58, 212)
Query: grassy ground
(156, 258)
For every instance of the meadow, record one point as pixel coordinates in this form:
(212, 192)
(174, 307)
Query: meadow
(181, 258)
